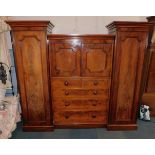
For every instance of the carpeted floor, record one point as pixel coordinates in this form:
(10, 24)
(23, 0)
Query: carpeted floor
(146, 130)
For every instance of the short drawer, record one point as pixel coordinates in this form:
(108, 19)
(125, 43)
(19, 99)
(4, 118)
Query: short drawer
(103, 83)
(81, 93)
(87, 117)
(80, 104)
(65, 83)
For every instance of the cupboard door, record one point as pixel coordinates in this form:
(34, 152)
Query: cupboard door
(128, 60)
(64, 58)
(127, 76)
(31, 62)
(96, 59)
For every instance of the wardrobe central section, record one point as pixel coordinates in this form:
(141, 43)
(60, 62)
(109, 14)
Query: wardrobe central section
(80, 73)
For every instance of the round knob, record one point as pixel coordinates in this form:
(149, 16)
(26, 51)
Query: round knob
(95, 83)
(66, 104)
(66, 93)
(94, 104)
(66, 83)
(57, 71)
(93, 116)
(95, 92)
(66, 117)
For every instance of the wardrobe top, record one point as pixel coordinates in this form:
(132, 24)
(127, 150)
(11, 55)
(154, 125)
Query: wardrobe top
(116, 24)
(61, 36)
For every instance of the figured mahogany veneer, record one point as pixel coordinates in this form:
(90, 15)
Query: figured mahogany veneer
(31, 55)
(130, 50)
(81, 67)
(73, 81)
(65, 118)
(80, 104)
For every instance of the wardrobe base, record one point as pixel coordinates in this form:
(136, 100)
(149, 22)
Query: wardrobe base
(110, 127)
(120, 127)
(38, 128)
(80, 126)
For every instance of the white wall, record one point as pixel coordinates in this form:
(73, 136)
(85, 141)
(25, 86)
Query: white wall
(80, 24)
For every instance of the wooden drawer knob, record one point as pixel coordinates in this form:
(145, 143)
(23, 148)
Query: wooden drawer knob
(66, 93)
(57, 72)
(93, 116)
(66, 83)
(94, 103)
(95, 83)
(95, 92)
(66, 104)
(66, 117)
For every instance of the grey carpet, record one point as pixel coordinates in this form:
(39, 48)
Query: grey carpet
(146, 130)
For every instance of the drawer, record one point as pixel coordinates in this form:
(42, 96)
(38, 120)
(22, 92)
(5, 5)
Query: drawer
(81, 93)
(65, 83)
(86, 117)
(80, 104)
(103, 83)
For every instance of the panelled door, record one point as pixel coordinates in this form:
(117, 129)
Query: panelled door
(65, 58)
(31, 60)
(87, 58)
(96, 58)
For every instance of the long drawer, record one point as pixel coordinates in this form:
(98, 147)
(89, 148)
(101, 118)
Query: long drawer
(80, 117)
(97, 83)
(80, 104)
(81, 93)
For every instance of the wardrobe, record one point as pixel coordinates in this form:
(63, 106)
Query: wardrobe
(79, 81)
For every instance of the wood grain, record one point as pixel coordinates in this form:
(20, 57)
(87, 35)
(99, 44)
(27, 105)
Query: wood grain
(31, 57)
(81, 87)
(130, 49)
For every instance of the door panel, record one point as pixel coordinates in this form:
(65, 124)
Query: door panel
(31, 61)
(96, 59)
(65, 58)
(128, 71)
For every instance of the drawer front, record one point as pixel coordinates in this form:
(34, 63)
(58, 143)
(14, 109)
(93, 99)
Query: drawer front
(80, 93)
(80, 104)
(87, 117)
(103, 83)
(65, 83)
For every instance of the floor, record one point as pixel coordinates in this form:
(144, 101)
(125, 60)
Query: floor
(146, 130)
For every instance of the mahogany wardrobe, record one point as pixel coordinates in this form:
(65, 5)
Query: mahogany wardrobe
(79, 81)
